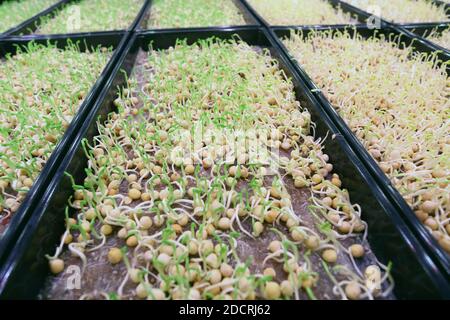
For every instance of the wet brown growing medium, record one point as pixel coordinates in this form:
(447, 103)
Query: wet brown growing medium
(236, 230)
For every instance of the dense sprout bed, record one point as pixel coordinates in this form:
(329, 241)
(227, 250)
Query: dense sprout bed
(397, 103)
(194, 13)
(13, 12)
(41, 88)
(181, 202)
(92, 15)
(404, 11)
(442, 39)
(300, 12)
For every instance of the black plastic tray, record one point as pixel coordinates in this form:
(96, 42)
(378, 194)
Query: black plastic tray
(440, 257)
(360, 15)
(33, 24)
(388, 23)
(9, 45)
(423, 30)
(24, 273)
(30, 25)
(248, 17)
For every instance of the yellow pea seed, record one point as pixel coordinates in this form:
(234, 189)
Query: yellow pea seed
(312, 242)
(330, 255)
(337, 182)
(429, 206)
(271, 216)
(444, 242)
(344, 227)
(189, 169)
(224, 223)
(226, 270)
(431, 223)
(297, 235)
(114, 255)
(258, 228)
(28, 182)
(68, 239)
(141, 292)
(145, 196)
(317, 178)
(177, 228)
(286, 288)
(270, 272)
(352, 291)
(274, 246)
(145, 222)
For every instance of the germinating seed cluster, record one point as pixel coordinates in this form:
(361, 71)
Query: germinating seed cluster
(442, 39)
(183, 218)
(13, 12)
(41, 88)
(404, 11)
(396, 102)
(298, 12)
(194, 13)
(92, 15)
